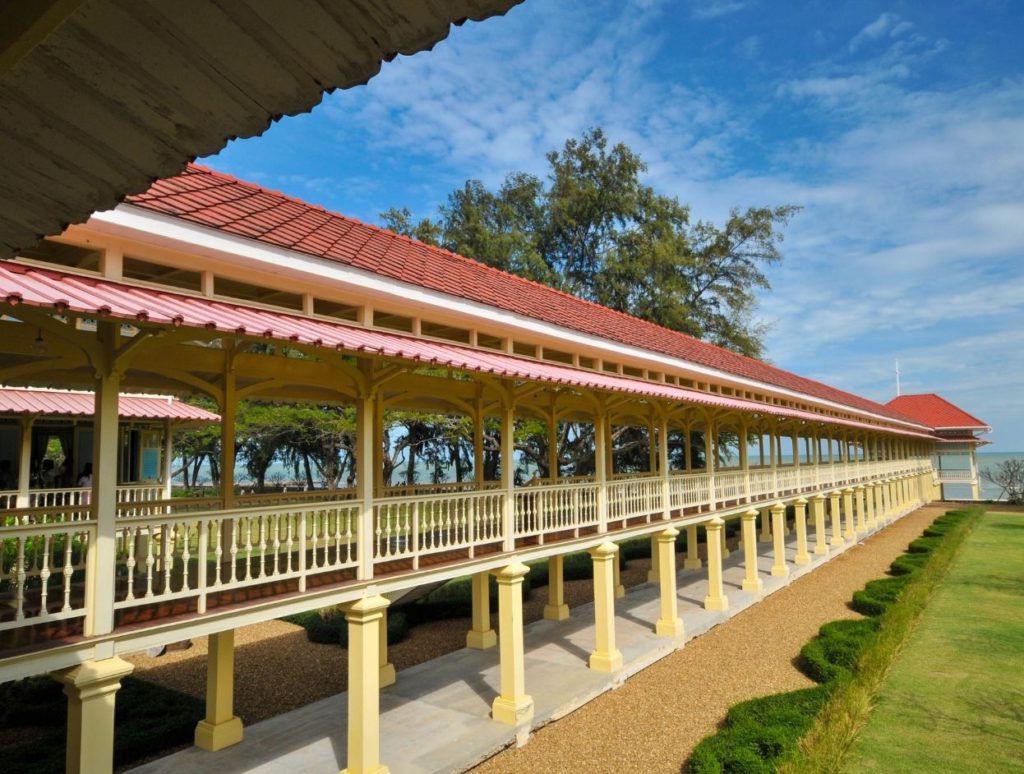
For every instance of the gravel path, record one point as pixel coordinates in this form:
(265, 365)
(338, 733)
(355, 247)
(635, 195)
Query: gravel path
(653, 722)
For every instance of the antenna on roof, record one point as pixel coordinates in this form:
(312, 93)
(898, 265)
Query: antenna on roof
(897, 377)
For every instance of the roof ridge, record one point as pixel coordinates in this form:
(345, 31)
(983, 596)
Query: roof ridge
(572, 314)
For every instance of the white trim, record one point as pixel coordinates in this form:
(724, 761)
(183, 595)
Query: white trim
(169, 231)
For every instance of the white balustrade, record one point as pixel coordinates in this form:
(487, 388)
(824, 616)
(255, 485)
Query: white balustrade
(630, 497)
(182, 555)
(42, 572)
(730, 486)
(409, 527)
(189, 548)
(548, 510)
(689, 490)
(9, 499)
(762, 483)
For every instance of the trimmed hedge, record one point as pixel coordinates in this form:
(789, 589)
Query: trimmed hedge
(834, 652)
(759, 735)
(759, 731)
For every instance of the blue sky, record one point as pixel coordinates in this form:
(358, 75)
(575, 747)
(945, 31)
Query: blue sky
(898, 127)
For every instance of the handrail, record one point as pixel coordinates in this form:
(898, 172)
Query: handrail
(191, 548)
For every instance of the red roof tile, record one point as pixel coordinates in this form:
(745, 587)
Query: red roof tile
(935, 411)
(201, 195)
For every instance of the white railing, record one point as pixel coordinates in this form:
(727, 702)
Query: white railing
(191, 548)
(730, 486)
(955, 476)
(409, 527)
(631, 497)
(542, 510)
(451, 487)
(762, 483)
(42, 569)
(184, 555)
(9, 498)
(689, 490)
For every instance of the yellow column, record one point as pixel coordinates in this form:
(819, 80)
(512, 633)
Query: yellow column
(556, 609)
(879, 506)
(364, 686)
(849, 533)
(716, 599)
(725, 543)
(386, 668)
(869, 505)
(751, 579)
(481, 636)
(766, 530)
(606, 657)
(818, 513)
(653, 576)
(862, 522)
(221, 728)
(91, 688)
(101, 558)
(514, 706)
(800, 524)
(692, 560)
(779, 567)
(833, 507)
(620, 590)
(669, 623)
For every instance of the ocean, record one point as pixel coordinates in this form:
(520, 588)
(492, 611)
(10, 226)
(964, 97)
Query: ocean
(986, 461)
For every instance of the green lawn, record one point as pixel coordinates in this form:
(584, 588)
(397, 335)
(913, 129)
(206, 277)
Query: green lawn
(954, 700)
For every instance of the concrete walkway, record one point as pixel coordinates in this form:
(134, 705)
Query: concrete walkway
(435, 718)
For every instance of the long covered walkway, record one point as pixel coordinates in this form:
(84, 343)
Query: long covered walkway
(434, 718)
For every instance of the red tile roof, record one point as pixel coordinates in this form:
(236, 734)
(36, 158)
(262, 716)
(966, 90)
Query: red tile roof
(935, 411)
(219, 201)
(80, 404)
(100, 297)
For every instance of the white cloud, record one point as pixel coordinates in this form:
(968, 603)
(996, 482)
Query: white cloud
(886, 25)
(712, 9)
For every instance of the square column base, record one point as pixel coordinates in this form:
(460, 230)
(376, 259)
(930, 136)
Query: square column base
(620, 591)
(481, 640)
(780, 572)
(756, 585)
(556, 612)
(213, 737)
(717, 604)
(387, 675)
(378, 769)
(837, 541)
(512, 712)
(606, 662)
(669, 628)
(802, 559)
(821, 550)
(692, 564)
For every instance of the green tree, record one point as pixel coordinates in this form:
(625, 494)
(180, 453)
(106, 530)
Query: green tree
(595, 230)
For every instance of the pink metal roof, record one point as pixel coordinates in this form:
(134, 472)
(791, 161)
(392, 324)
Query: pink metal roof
(21, 284)
(80, 404)
(219, 201)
